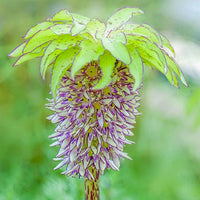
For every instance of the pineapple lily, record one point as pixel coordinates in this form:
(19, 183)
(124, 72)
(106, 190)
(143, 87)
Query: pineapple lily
(97, 71)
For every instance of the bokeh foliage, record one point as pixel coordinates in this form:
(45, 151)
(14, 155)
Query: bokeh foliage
(166, 154)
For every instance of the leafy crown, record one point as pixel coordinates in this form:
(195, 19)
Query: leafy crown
(70, 41)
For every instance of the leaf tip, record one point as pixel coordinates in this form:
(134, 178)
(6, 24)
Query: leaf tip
(10, 55)
(72, 74)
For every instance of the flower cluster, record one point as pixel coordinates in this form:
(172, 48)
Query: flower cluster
(93, 124)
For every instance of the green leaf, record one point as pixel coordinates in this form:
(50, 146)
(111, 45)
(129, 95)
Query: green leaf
(39, 27)
(38, 39)
(79, 23)
(117, 49)
(149, 32)
(62, 63)
(89, 51)
(63, 15)
(55, 48)
(174, 66)
(136, 67)
(95, 27)
(77, 28)
(107, 63)
(151, 59)
(61, 29)
(167, 44)
(153, 62)
(144, 45)
(49, 61)
(118, 36)
(128, 28)
(28, 56)
(120, 17)
(153, 56)
(172, 78)
(18, 51)
(86, 36)
(80, 19)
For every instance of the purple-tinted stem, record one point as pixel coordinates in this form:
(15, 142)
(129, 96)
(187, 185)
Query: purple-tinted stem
(92, 186)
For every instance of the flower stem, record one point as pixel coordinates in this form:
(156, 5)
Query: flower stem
(92, 186)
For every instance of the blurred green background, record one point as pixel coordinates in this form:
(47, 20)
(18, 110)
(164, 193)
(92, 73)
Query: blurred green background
(166, 156)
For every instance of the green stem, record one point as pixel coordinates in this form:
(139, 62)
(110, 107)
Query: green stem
(92, 186)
